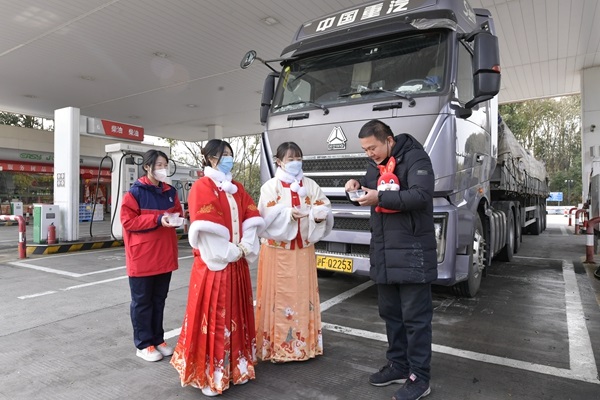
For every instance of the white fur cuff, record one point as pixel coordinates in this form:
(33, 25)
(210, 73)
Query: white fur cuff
(257, 222)
(209, 227)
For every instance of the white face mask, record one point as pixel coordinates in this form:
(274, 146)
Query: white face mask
(293, 167)
(160, 174)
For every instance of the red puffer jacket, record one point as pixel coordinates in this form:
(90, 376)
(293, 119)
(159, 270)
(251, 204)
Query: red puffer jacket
(150, 248)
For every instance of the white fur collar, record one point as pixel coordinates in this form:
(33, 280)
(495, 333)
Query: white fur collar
(222, 181)
(294, 181)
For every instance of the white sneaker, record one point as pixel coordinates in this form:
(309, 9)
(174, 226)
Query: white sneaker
(165, 349)
(149, 354)
(207, 391)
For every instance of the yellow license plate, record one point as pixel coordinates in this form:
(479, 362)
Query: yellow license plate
(335, 263)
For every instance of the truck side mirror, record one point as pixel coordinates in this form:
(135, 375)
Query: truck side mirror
(248, 59)
(486, 67)
(267, 96)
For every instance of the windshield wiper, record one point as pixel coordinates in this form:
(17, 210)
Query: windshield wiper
(310, 103)
(411, 101)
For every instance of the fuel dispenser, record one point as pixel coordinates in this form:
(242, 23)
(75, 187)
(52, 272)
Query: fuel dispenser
(16, 208)
(44, 215)
(127, 168)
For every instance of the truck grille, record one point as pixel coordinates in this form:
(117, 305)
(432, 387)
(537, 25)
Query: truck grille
(351, 224)
(329, 173)
(332, 181)
(335, 171)
(335, 164)
(354, 249)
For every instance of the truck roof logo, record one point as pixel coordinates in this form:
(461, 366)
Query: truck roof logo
(336, 140)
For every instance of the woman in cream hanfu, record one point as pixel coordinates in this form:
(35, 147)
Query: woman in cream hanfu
(217, 343)
(297, 214)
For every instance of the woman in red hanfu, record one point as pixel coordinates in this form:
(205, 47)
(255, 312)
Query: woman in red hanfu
(217, 343)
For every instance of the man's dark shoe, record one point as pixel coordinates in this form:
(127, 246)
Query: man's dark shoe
(413, 389)
(387, 375)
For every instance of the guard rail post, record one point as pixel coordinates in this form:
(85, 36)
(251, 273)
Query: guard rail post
(578, 215)
(22, 227)
(570, 211)
(589, 244)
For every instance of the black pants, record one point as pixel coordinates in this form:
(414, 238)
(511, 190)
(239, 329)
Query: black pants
(148, 296)
(407, 311)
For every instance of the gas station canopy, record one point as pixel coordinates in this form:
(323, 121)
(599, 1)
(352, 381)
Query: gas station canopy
(173, 67)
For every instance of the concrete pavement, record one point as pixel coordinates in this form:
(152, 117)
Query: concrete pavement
(533, 332)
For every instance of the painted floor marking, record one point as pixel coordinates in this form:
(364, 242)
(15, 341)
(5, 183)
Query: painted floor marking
(486, 358)
(582, 362)
(73, 275)
(44, 269)
(581, 359)
(31, 296)
(345, 295)
(172, 333)
(94, 283)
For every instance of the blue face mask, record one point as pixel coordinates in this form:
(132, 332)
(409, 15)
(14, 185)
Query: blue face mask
(293, 167)
(225, 164)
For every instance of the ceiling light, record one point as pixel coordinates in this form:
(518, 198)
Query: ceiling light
(270, 21)
(134, 117)
(87, 78)
(192, 105)
(30, 96)
(160, 54)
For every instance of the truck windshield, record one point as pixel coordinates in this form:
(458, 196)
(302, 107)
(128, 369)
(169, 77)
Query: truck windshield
(412, 65)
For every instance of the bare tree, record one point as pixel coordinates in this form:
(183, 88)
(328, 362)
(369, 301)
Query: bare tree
(246, 150)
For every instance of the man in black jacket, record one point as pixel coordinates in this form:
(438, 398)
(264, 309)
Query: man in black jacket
(402, 255)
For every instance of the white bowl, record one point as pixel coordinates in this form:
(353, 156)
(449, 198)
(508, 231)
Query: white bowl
(177, 221)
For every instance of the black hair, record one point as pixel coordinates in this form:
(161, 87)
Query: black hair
(283, 148)
(376, 128)
(150, 158)
(213, 148)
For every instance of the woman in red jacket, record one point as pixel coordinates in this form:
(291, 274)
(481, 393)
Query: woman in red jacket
(150, 253)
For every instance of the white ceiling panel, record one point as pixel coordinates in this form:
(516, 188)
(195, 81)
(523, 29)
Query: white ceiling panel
(48, 47)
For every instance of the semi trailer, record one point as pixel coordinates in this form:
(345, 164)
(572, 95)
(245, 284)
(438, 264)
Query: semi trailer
(426, 67)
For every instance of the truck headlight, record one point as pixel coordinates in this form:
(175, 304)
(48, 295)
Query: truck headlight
(440, 221)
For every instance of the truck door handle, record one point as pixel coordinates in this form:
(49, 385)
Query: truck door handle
(387, 106)
(297, 116)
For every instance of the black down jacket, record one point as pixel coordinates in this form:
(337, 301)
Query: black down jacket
(403, 246)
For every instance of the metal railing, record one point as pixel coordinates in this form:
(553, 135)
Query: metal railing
(22, 228)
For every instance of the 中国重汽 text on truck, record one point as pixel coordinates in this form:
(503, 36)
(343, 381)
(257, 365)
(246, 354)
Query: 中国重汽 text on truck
(426, 67)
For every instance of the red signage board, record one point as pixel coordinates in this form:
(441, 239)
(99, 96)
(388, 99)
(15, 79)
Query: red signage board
(123, 131)
(19, 166)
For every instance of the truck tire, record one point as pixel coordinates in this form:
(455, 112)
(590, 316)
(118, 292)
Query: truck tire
(507, 252)
(536, 227)
(470, 287)
(544, 215)
(518, 230)
(322, 273)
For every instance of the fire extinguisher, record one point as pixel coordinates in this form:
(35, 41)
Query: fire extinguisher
(52, 234)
